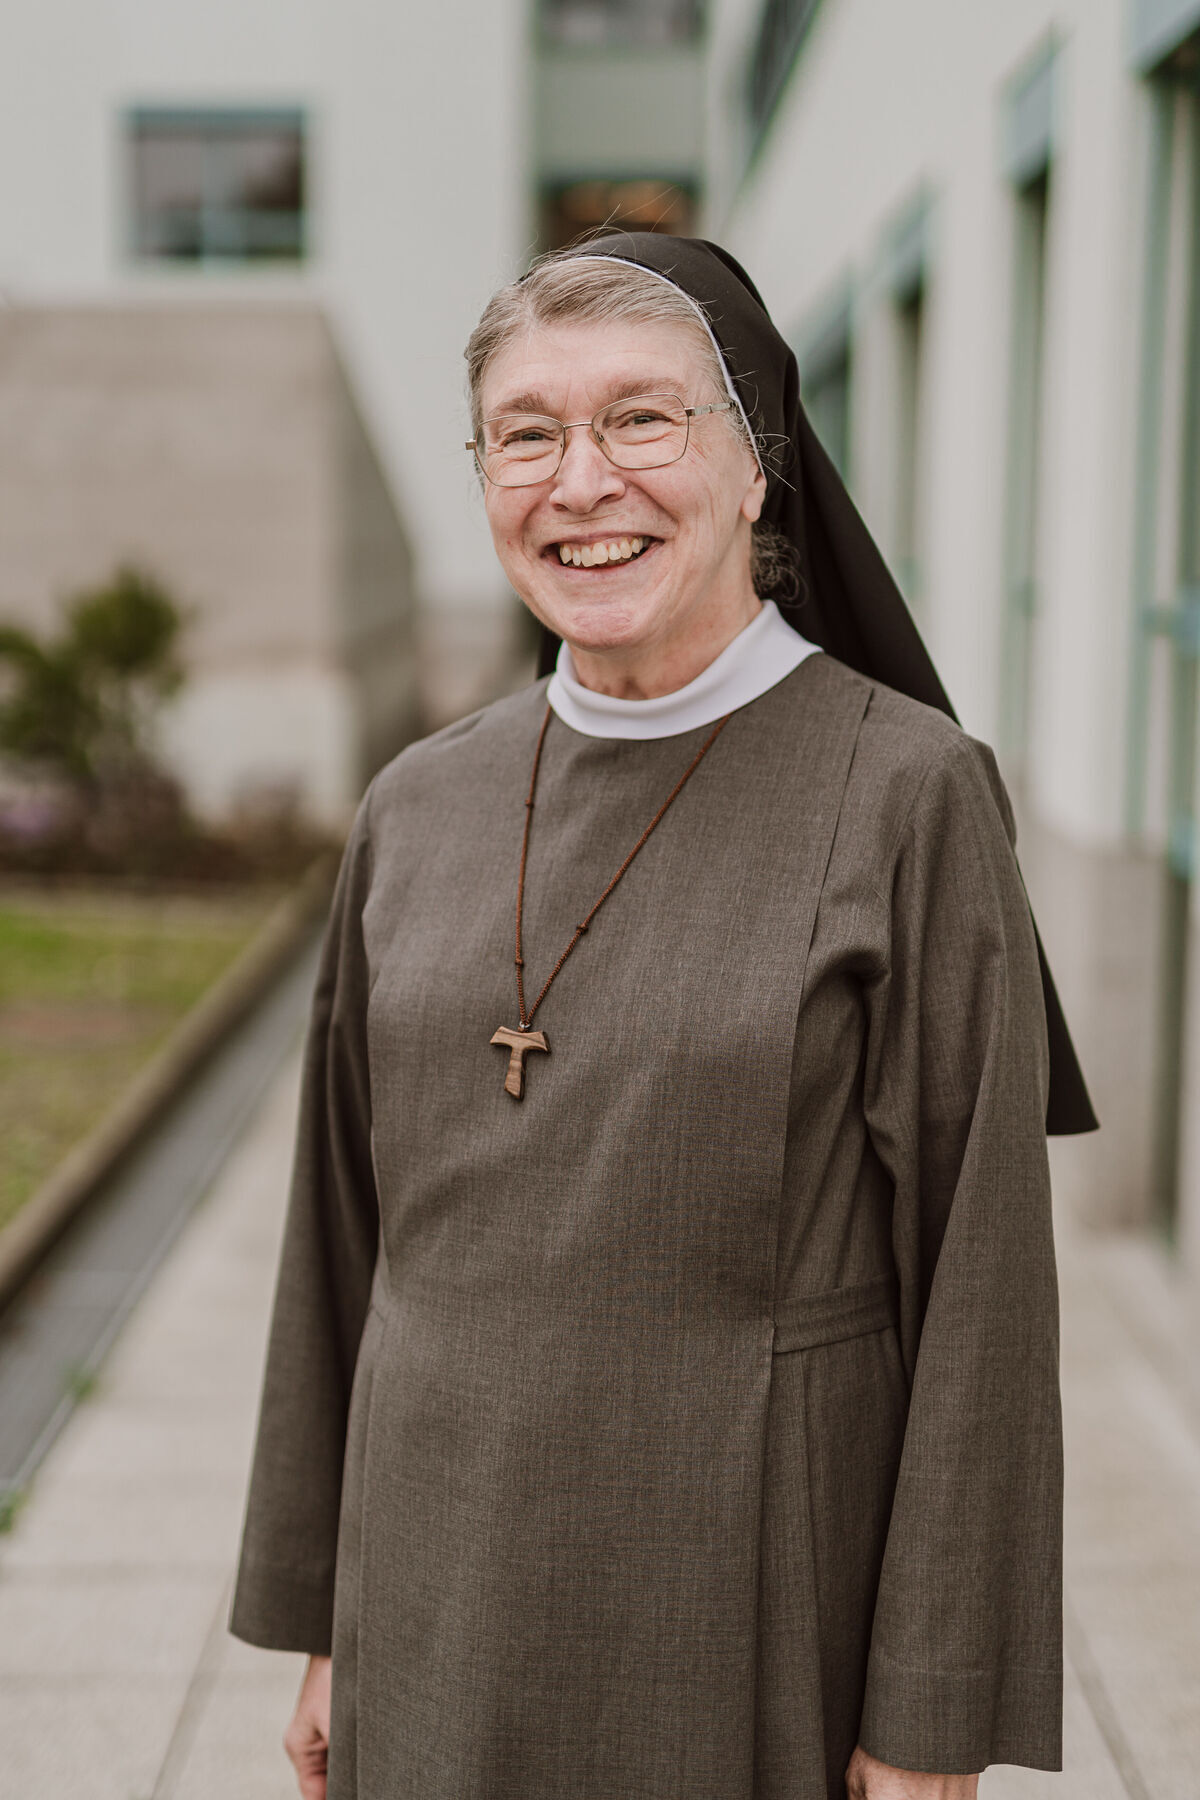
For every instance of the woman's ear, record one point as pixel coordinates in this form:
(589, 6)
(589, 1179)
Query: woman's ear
(755, 496)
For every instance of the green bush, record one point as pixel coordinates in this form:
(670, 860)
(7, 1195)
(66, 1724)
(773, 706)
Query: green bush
(81, 705)
(77, 717)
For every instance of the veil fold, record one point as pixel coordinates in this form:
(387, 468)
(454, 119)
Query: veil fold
(848, 602)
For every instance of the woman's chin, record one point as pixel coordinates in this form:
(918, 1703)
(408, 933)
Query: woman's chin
(598, 625)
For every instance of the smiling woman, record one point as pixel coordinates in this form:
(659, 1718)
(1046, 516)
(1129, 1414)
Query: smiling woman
(633, 467)
(575, 292)
(662, 1395)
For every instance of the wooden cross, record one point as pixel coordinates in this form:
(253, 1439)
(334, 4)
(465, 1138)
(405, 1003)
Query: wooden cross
(518, 1042)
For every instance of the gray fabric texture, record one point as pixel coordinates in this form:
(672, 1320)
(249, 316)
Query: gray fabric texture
(672, 1430)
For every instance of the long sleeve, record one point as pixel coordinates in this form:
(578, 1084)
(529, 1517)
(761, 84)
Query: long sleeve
(283, 1597)
(965, 1664)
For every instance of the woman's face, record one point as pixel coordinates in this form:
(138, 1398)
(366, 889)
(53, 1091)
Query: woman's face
(692, 580)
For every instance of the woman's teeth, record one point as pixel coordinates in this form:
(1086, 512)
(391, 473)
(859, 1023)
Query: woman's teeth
(590, 556)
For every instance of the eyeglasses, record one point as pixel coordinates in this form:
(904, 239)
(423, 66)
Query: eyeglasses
(646, 432)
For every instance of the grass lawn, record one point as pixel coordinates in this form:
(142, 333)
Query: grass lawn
(90, 985)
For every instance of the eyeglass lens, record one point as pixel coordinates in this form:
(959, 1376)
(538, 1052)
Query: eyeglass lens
(645, 432)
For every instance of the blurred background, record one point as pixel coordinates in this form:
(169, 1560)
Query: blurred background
(243, 561)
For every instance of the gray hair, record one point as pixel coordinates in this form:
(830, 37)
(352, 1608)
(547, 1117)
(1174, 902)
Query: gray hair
(566, 286)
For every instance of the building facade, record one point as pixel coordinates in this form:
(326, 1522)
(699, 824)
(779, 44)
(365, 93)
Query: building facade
(619, 106)
(241, 249)
(980, 227)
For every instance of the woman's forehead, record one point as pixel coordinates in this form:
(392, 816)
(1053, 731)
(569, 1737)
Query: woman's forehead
(585, 362)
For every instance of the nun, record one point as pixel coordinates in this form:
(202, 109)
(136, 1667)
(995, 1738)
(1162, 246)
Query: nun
(661, 1396)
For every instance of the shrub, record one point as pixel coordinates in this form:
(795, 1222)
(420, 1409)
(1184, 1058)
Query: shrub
(82, 705)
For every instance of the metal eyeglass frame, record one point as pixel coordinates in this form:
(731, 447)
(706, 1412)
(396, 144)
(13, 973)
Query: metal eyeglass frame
(690, 413)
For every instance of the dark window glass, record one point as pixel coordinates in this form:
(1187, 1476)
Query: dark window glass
(222, 183)
(910, 334)
(782, 30)
(827, 402)
(824, 357)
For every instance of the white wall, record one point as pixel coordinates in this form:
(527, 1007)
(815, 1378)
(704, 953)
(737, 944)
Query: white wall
(418, 205)
(426, 209)
(884, 99)
(236, 731)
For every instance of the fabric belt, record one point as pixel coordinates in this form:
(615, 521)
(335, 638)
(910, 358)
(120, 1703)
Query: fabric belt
(848, 1312)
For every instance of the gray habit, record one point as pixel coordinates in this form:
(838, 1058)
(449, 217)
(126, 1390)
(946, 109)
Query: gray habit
(671, 1431)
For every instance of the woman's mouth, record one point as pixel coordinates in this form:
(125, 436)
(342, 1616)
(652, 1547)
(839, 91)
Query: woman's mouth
(600, 553)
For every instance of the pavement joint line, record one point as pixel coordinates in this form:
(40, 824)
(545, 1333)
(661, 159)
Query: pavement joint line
(186, 1728)
(1100, 1706)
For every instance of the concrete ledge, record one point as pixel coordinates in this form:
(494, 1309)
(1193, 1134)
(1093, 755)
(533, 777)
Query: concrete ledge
(48, 1211)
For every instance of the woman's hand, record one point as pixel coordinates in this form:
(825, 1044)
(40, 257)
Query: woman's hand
(306, 1739)
(867, 1779)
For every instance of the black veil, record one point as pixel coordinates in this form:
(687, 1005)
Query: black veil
(848, 602)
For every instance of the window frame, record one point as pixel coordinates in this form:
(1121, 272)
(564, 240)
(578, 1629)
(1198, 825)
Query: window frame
(229, 236)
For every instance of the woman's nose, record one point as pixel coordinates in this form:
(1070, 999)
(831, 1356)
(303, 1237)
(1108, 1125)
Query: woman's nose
(585, 475)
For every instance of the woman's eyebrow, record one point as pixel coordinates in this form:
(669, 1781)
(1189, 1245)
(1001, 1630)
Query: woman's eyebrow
(522, 403)
(644, 384)
(533, 402)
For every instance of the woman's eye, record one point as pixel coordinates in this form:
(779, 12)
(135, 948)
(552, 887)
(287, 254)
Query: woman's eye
(639, 420)
(529, 434)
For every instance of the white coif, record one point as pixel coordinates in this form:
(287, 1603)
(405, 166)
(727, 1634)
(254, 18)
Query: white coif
(759, 657)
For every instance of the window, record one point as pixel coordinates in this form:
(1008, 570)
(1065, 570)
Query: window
(1158, 28)
(217, 184)
(599, 24)
(1029, 108)
(910, 319)
(584, 206)
(781, 34)
(1023, 464)
(896, 397)
(1163, 795)
(827, 401)
(824, 360)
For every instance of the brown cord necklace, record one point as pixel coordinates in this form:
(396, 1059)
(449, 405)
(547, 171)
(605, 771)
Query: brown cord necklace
(524, 1038)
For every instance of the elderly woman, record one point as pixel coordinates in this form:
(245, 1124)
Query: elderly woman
(662, 1390)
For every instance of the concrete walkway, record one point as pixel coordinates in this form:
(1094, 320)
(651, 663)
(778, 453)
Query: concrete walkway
(118, 1680)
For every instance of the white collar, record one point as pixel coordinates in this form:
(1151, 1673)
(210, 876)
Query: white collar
(758, 658)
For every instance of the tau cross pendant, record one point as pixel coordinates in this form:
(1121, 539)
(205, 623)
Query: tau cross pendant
(518, 1042)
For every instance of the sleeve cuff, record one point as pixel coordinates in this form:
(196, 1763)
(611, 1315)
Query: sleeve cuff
(283, 1609)
(957, 1722)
